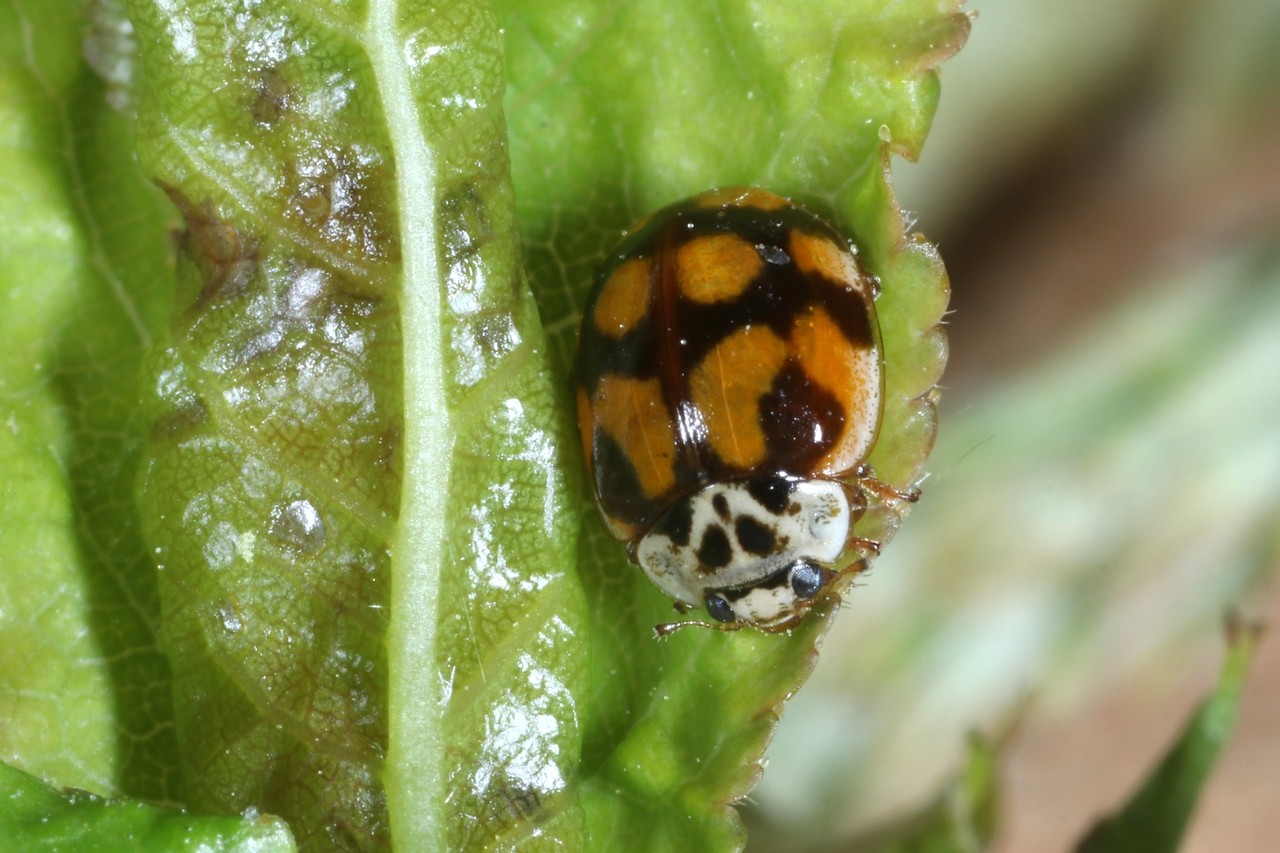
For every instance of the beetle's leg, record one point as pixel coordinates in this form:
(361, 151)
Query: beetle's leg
(865, 547)
(843, 578)
(857, 497)
(888, 495)
(863, 484)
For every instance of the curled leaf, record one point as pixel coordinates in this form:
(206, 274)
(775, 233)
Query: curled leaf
(616, 112)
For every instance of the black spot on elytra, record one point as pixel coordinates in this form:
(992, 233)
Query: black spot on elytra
(677, 334)
(772, 493)
(775, 255)
(853, 317)
(802, 421)
(779, 294)
(714, 551)
(634, 355)
(721, 505)
(753, 536)
(617, 484)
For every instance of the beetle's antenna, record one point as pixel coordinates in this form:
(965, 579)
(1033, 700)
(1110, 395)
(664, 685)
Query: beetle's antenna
(668, 628)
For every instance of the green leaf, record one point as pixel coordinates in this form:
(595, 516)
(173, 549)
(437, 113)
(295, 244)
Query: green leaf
(1157, 815)
(83, 682)
(615, 111)
(359, 481)
(354, 488)
(44, 819)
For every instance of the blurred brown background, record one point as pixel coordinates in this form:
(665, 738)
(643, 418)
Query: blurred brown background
(1103, 179)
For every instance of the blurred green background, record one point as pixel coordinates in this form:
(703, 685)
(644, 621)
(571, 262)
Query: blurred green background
(1103, 179)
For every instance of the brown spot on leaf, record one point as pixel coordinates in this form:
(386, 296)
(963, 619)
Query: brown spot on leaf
(274, 96)
(336, 194)
(179, 422)
(464, 223)
(226, 257)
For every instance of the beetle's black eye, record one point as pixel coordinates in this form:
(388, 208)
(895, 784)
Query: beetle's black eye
(806, 579)
(719, 608)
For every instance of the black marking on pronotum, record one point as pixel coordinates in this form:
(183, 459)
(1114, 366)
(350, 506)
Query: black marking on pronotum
(677, 524)
(772, 493)
(714, 551)
(753, 536)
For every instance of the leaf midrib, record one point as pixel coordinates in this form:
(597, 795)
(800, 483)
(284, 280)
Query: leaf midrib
(414, 738)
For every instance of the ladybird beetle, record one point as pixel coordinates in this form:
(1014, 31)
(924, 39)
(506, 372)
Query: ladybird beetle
(729, 383)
